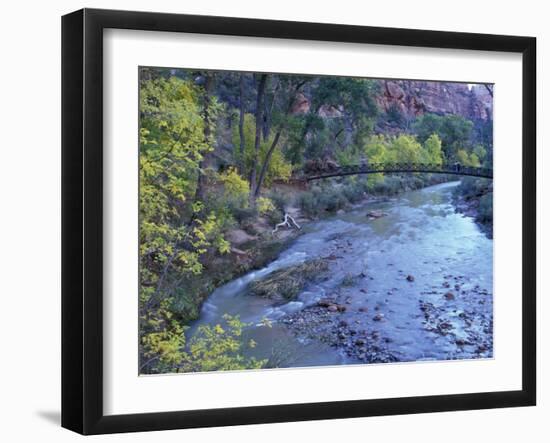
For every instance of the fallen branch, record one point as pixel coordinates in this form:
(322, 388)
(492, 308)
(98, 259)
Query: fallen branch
(286, 223)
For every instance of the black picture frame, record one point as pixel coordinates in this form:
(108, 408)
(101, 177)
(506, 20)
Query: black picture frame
(82, 215)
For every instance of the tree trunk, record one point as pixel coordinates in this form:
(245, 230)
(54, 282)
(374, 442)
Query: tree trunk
(266, 163)
(201, 178)
(257, 139)
(269, 112)
(241, 124)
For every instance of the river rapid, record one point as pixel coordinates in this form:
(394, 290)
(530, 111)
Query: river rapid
(414, 284)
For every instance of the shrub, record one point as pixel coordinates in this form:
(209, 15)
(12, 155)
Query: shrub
(309, 203)
(265, 205)
(243, 215)
(485, 210)
(235, 187)
(354, 192)
(332, 200)
(391, 185)
(279, 199)
(471, 187)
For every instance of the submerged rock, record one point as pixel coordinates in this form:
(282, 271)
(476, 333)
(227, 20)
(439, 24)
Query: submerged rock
(374, 214)
(449, 296)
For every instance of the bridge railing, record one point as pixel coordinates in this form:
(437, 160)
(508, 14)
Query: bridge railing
(445, 168)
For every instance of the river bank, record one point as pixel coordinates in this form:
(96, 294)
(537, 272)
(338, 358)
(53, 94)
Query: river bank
(474, 198)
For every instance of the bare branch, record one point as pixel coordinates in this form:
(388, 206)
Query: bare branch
(286, 223)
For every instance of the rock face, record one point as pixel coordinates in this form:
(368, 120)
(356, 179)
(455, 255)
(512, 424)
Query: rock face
(413, 98)
(301, 105)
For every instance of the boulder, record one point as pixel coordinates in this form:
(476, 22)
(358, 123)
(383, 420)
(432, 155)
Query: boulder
(374, 214)
(238, 237)
(325, 303)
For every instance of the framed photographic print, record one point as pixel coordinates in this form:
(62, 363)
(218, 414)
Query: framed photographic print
(270, 221)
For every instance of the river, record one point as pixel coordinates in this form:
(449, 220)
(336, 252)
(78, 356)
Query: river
(415, 284)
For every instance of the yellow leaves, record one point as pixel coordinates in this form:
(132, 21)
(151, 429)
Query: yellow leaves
(474, 160)
(235, 187)
(432, 147)
(278, 168)
(198, 207)
(466, 159)
(199, 234)
(264, 205)
(219, 347)
(166, 341)
(223, 246)
(172, 249)
(171, 147)
(166, 344)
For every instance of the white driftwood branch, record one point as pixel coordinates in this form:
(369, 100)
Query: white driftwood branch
(286, 223)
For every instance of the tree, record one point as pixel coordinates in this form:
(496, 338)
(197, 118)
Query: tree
(257, 138)
(293, 86)
(377, 150)
(278, 168)
(172, 148)
(407, 149)
(242, 111)
(208, 118)
(462, 157)
(351, 107)
(433, 151)
(480, 152)
(455, 132)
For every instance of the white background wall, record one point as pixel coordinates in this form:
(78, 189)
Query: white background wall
(30, 219)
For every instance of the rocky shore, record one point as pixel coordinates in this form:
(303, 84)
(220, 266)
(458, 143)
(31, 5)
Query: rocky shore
(470, 208)
(466, 333)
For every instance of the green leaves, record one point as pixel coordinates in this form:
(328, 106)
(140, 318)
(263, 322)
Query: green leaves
(455, 132)
(220, 347)
(176, 232)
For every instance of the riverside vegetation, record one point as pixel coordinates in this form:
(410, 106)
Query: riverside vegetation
(219, 152)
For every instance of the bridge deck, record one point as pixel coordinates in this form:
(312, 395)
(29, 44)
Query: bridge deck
(388, 168)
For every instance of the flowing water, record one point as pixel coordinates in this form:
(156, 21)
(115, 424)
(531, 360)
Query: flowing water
(416, 285)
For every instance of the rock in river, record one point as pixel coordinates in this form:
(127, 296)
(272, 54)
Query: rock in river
(449, 296)
(374, 214)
